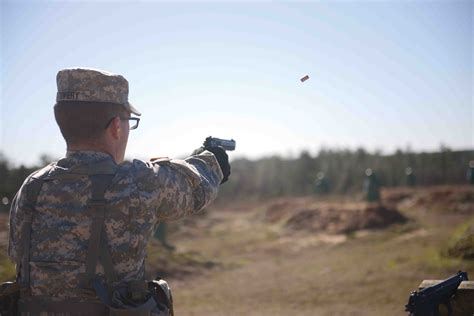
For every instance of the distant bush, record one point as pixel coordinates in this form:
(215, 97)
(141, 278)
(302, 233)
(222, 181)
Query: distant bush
(11, 179)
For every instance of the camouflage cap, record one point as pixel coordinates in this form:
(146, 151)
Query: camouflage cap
(91, 85)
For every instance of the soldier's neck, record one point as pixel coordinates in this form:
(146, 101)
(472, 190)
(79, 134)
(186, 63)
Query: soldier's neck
(93, 147)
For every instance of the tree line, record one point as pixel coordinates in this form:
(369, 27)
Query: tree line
(343, 169)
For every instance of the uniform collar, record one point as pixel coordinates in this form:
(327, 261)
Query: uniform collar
(74, 157)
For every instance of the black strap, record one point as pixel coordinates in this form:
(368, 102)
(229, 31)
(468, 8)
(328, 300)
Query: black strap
(98, 240)
(108, 167)
(106, 259)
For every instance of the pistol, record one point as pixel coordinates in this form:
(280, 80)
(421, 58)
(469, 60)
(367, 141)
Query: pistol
(226, 144)
(426, 301)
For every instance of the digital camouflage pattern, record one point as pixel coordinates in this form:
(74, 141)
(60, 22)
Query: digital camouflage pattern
(141, 195)
(90, 85)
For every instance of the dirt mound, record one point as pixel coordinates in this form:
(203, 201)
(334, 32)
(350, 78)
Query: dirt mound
(176, 264)
(334, 218)
(459, 199)
(393, 196)
(280, 209)
(343, 220)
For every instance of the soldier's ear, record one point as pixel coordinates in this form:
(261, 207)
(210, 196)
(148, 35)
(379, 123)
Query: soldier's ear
(114, 128)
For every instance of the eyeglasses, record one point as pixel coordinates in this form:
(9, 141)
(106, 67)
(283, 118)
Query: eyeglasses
(132, 121)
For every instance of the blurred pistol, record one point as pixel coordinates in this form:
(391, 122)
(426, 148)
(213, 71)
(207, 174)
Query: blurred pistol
(227, 144)
(425, 302)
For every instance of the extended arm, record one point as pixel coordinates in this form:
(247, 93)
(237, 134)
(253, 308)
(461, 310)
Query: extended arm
(176, 188)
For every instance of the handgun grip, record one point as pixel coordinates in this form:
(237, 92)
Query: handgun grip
(449, 308)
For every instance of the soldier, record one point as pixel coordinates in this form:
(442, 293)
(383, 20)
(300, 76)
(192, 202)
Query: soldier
(161, 234)
(371, 186)
(321, 184)
(410, 177)
(470, 173)
(79, 227)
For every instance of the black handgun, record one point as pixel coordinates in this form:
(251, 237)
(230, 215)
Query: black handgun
(226, 144)
(426, 301)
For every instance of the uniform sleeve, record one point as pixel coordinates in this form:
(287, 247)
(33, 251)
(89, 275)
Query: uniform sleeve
(16, 219)
(176, 188)
(17, 216)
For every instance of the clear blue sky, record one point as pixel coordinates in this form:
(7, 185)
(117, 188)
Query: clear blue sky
(383, 75)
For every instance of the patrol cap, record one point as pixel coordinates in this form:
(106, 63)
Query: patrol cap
(92, 85)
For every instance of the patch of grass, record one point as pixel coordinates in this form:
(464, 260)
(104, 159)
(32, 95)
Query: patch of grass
(392, 264)
(436, 260)
(351, 234)
(7, 268)
(461, 244)
(406, 227)
(271, 235)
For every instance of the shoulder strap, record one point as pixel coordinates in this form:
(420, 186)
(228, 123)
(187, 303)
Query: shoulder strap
(98, 240)
(32, 190)
(106, 167)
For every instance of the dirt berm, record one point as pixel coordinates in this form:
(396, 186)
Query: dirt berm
(448, 198)
(301, 214)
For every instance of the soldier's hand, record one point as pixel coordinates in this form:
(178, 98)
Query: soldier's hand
(222, 159)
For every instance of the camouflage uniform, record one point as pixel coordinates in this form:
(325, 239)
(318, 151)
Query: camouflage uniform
(141, 195)
(137, 198)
